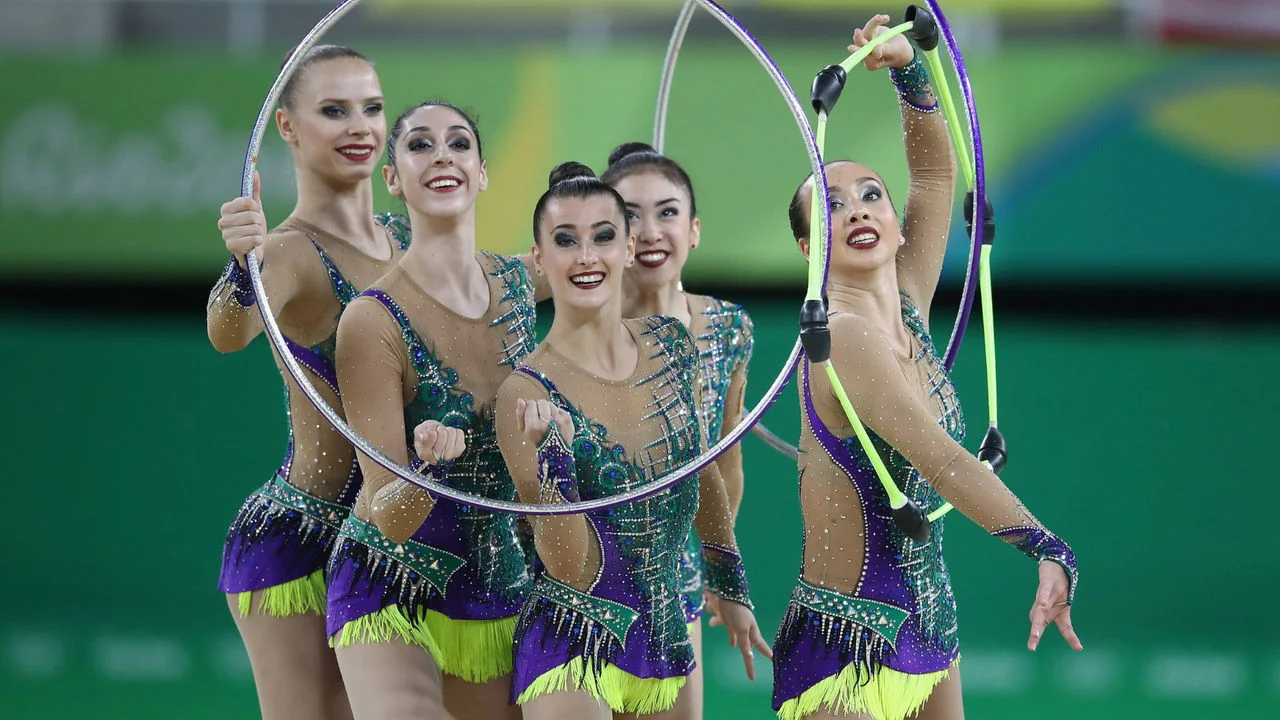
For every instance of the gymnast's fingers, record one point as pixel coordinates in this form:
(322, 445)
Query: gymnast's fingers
(458, 444)
(1039, 619)
(564, 422)
(872, 28)
(1063, 621)
(531, 426)
(425, 433)
(757, 639)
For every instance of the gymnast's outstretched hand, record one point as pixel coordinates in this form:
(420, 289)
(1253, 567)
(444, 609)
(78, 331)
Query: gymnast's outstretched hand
(896, 53)
(1051, 607)
(744, 631)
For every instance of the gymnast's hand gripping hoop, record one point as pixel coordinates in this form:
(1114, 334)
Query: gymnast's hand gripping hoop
(920, 26)
(993, 449)
(408, 475)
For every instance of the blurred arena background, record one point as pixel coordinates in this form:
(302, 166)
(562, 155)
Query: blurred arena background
(1133, 159)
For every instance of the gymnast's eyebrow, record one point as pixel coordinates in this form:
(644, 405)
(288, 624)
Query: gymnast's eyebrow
(424, 128)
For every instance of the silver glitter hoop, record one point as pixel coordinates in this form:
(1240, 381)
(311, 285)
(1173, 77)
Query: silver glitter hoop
(655, 486)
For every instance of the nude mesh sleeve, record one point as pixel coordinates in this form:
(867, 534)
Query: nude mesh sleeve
(730, 462)
(231, 314)
(371, 365)
(931, 166)
(889, 407)
(725, 572)
(545, 473)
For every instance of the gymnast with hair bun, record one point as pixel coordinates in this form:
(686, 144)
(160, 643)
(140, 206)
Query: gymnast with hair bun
(604, 405)
(870, 631)
(663, 214)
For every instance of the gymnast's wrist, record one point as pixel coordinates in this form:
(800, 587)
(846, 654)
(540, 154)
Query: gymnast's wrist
(237, 278)
(436, 471)
(912, 84)
(1043, 546)
(1068, 565)
(726, 575)
(907, 64)
(557, 474)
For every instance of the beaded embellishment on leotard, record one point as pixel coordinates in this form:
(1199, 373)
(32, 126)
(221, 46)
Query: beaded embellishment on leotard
(584, 613)
(415, 563)
(518, 297)
(862, 632)
(723, 348)
(912, 84)
(397, 226)
(922, 564)
(648, 533)
(1043, 546)
(556, 476)
(242, 287)
(278, 509)
(883, 618)
(480, 469)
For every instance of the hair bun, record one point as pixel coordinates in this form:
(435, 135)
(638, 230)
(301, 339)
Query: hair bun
(630, 148)
(567, 171)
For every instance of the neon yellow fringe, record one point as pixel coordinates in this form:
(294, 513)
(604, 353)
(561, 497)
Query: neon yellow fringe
(891, 695)
(389, 623)
(304, 596)
(475, 650)
(617, 688)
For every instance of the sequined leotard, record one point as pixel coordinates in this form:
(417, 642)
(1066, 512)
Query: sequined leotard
(723, 334)
(869, 598)
(618, 631)
(445, 576)
(871, 626)
(281, 538)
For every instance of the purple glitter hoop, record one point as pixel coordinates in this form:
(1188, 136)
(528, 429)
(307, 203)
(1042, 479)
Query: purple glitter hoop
(969, 291)
(979, 187)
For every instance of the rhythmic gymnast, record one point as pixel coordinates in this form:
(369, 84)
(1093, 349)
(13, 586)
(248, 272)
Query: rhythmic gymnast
(313, 264)
(602, 406)
(663, 214)
(871, 628)
(423, 593)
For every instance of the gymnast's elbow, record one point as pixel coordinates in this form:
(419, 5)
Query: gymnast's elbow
(228, 336)
(398, 521)
(395, 531)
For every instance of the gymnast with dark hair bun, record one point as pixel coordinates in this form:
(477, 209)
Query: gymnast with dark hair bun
(424, 591)
(870, 632)
(602, 406)
(663, 214)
